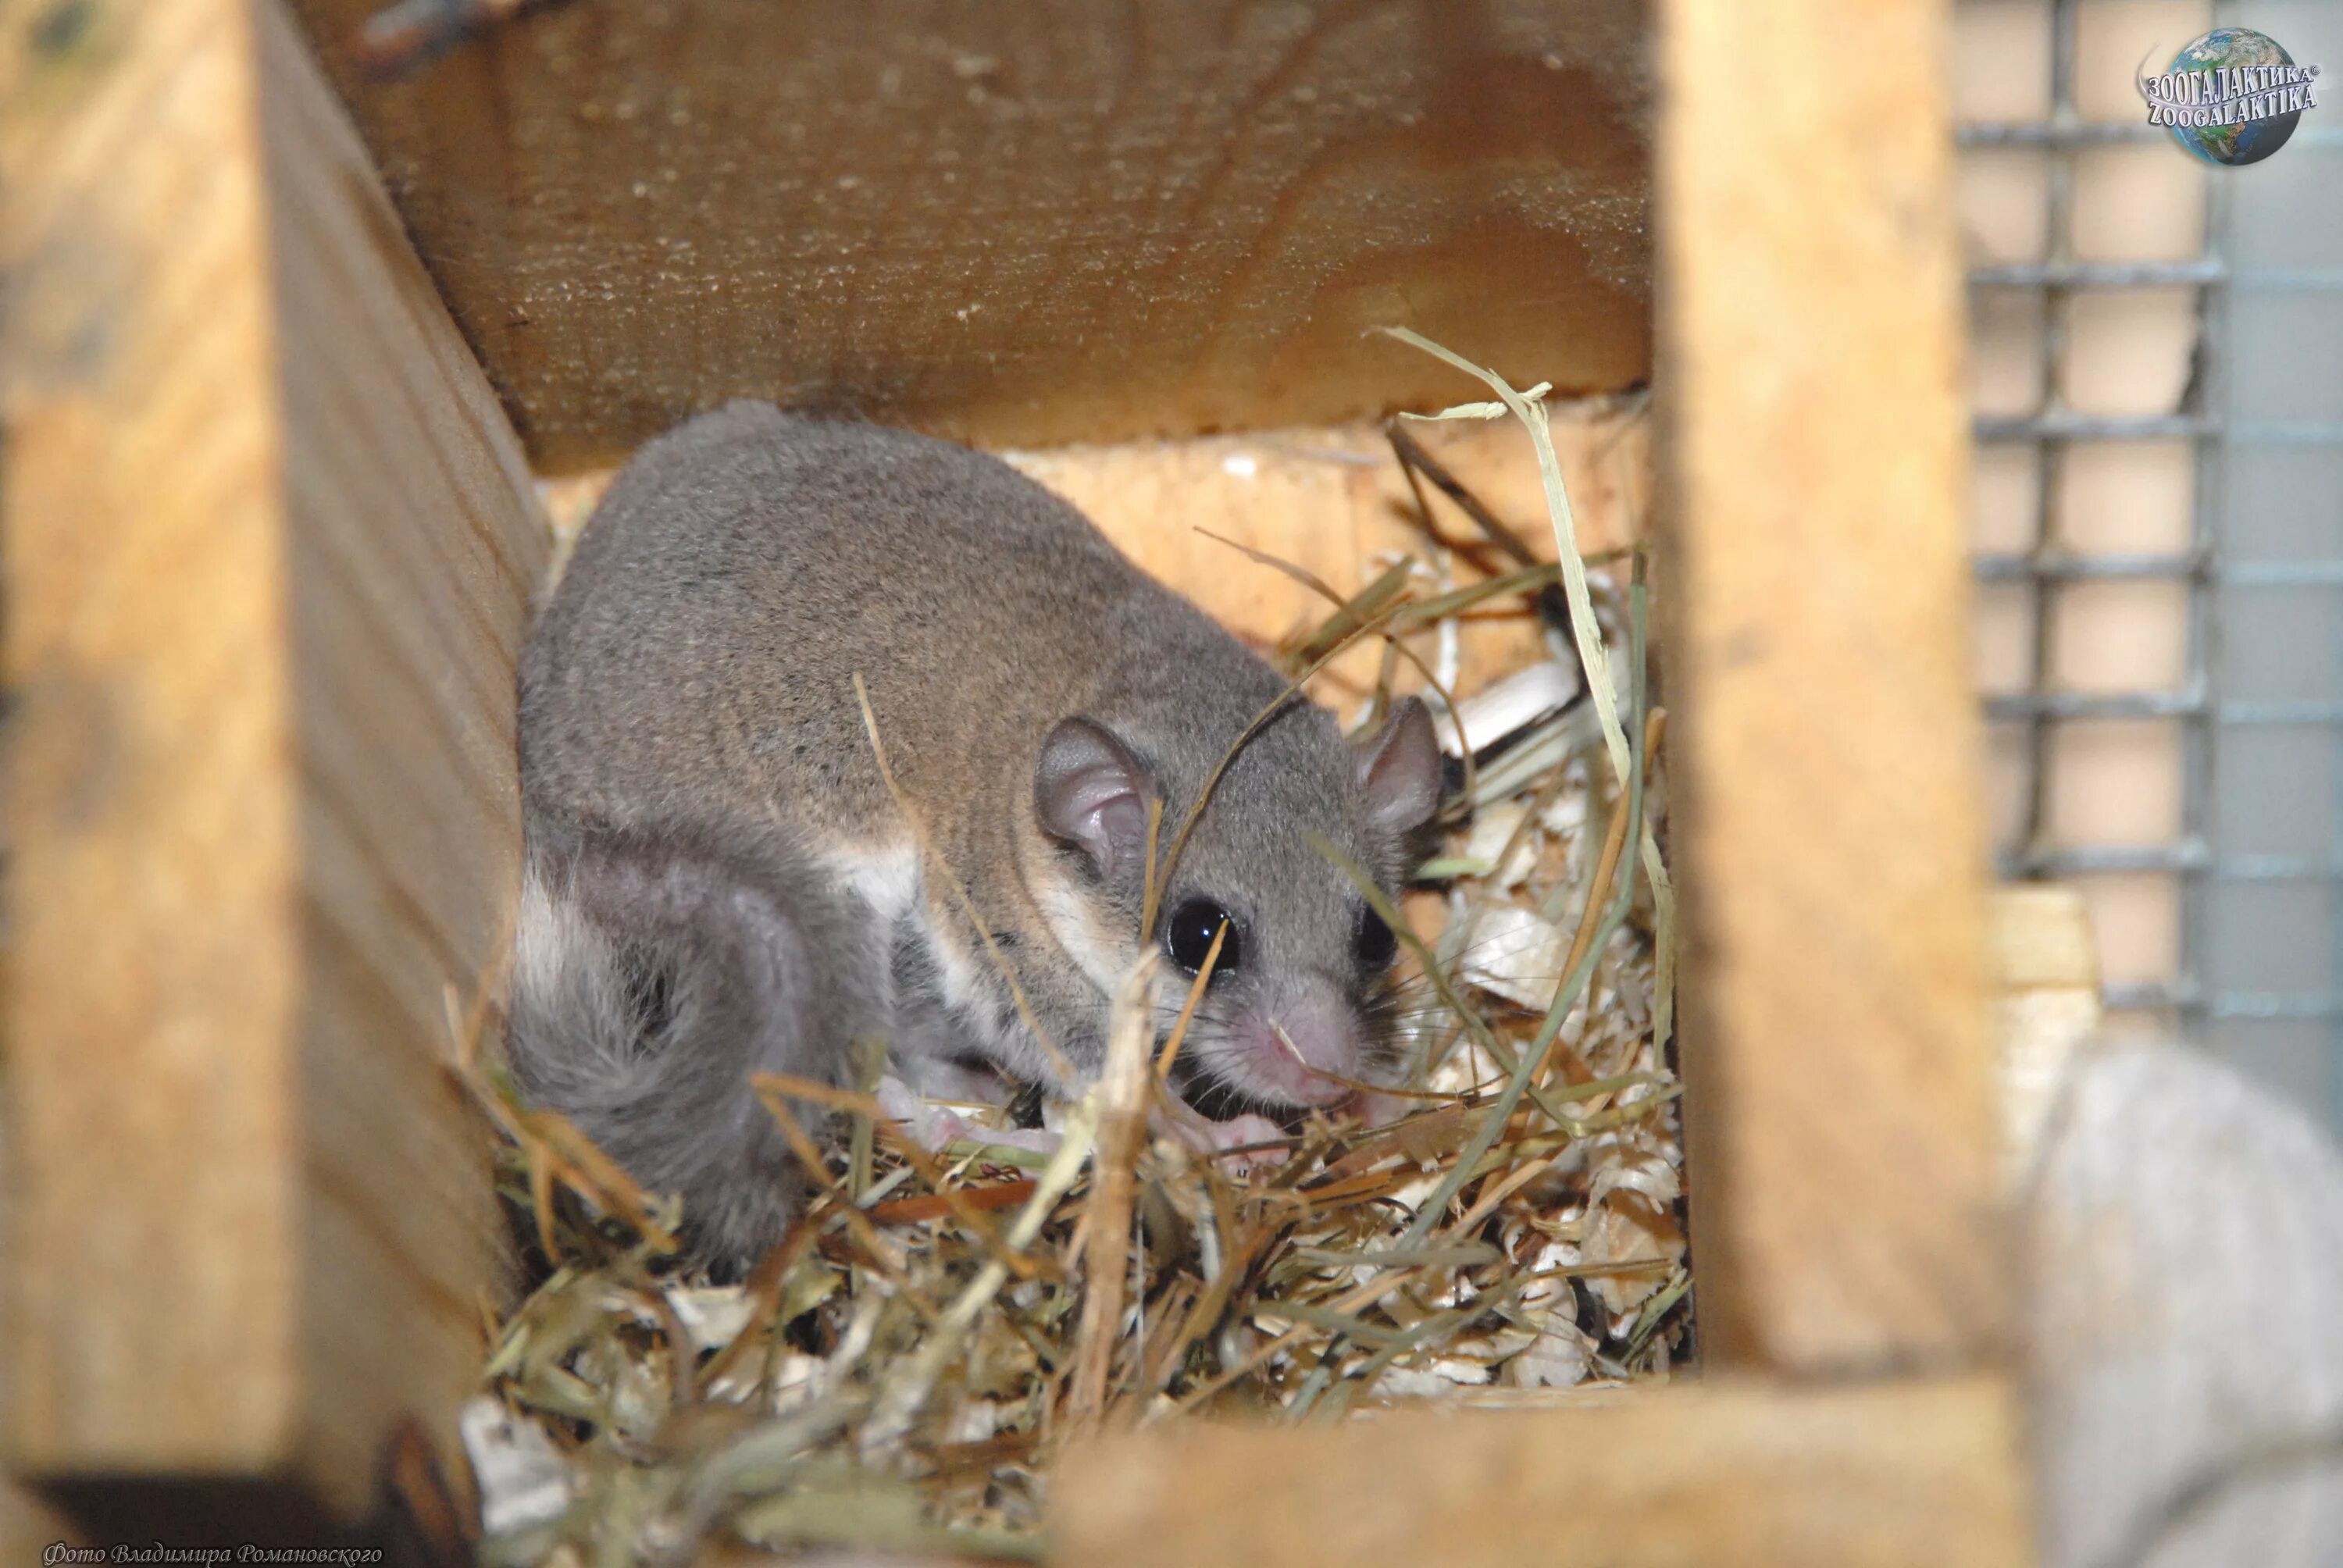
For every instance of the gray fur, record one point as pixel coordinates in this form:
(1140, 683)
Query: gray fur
(653, 973)
(688, 718)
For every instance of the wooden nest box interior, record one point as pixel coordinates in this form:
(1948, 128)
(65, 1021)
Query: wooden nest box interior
(296, 328)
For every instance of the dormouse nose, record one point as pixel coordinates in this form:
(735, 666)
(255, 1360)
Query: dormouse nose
(1316, 1024)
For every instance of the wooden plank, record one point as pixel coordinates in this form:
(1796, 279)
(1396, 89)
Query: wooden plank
(270, 544)
(1839, 1105)
(154, 974)
(1917, 1475)
(28, 1526)
(2046, 969)
(1017, 223)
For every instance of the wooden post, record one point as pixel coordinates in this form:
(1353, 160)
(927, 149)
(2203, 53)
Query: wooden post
(1840, 1127)
(270, 546)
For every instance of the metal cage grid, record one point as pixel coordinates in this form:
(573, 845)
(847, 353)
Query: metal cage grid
(2197, 859)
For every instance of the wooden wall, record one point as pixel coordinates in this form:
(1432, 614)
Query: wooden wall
(1021, 221)
(269, 550)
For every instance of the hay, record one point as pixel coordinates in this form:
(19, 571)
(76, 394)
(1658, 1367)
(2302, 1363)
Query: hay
(897, 1372)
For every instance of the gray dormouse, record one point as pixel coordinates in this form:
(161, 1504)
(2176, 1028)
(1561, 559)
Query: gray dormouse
(720, 882)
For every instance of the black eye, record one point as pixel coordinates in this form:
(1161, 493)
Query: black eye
(1188, 937)
(1374, 944)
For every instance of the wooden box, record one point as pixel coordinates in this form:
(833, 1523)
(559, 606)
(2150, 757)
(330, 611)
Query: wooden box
(286, 342)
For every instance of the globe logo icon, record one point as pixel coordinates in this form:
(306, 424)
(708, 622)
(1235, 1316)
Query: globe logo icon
(2232, 97)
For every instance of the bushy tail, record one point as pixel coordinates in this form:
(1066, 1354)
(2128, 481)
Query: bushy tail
(652, 974)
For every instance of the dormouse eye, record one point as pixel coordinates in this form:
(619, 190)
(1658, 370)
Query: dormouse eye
(1373, 943)
(1188, 937)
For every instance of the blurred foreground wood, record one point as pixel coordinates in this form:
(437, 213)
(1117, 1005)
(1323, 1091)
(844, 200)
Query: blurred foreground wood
(28, 1526)
(269, 550)
(1840, 1124)
(1909, 1475)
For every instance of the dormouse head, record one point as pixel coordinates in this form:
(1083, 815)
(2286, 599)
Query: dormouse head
(1298, 1000)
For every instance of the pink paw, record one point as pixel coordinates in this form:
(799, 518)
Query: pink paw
(935, 1128)
(1227, 1142)
(949, 1128)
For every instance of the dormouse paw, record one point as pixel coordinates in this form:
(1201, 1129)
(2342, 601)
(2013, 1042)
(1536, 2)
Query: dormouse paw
(936, 1128)
(1033, 1140)
(1227, 1142)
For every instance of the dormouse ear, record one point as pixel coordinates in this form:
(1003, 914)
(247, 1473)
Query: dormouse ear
(1400, 770)
(1088, 791)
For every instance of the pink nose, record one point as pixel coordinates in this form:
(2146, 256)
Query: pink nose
(1299, 1051)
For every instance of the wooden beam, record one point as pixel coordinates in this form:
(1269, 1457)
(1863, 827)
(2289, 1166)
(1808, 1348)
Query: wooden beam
(270, 546)
(1914, 1475)
(1022, 224)
(1840, 1127)
(28, 1526)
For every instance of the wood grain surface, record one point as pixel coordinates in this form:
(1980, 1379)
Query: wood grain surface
(1019, 221)
(270, 545)
(1840, 1114)
(1902, 1476)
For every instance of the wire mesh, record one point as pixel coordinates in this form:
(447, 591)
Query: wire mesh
(2219, 707)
